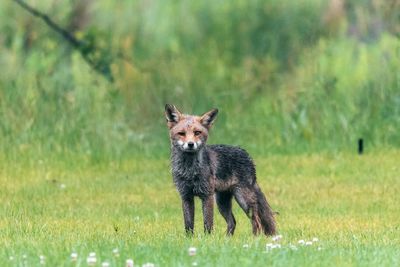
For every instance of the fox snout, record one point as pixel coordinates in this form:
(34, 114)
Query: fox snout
(190, 146)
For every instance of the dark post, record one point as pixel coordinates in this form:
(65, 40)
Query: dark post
(360, 146)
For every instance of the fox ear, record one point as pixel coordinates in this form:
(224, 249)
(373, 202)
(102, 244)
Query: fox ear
(172, 114)
(208, 118)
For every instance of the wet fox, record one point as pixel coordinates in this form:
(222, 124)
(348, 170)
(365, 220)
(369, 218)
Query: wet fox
(204, 170)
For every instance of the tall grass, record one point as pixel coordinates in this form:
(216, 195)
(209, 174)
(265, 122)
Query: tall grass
(286, 79)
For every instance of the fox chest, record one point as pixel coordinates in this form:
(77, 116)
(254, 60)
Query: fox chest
(197, 184)
(193, 177)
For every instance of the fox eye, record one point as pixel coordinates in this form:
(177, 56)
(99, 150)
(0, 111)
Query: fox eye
(197, 132)
(181, 133)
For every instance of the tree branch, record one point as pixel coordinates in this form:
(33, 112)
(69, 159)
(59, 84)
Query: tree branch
(81, 46)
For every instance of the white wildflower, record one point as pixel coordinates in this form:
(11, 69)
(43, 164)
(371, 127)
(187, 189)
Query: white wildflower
(246, 246)
(91, 260)
(302, 242)
(271, 246)
(276, 246)
(115, 252)
(192, 251)
(74, 256)
(276, 238)
(129, 263)
(42, 259)
(308, 243)
(105, 264)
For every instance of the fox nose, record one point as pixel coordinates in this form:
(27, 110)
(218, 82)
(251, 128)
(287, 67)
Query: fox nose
(190, 144)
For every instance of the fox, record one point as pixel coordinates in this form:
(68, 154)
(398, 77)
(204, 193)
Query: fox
(205, 171)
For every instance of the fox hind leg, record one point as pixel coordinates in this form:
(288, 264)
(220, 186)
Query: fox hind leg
(224, 203)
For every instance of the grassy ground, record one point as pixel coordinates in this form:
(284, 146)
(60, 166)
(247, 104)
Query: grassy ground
(348, 202)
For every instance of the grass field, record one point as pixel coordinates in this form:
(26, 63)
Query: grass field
(349, 202)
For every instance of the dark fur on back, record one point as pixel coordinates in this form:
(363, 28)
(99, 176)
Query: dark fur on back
(233, 160)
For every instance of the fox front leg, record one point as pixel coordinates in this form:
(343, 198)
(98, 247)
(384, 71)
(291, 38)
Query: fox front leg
(188, 214)
(208, 213)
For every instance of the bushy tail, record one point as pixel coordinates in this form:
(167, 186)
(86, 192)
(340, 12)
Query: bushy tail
(265, 213)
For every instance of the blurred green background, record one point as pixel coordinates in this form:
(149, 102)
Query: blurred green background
(288, 76)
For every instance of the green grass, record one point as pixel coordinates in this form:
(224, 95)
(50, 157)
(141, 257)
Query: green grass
(349, 202)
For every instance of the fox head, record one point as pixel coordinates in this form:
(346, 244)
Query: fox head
(188, 133)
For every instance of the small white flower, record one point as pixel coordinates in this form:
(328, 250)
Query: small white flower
(192, 251)
(277, 238)
(115, 252)
(194, 263)
(315, 239)
(74, 256)
(42, 259)
(308, 243)
(246, 246)
(302, 242)
(319, 248)
(91, 260)
(11, 258)
(293, 247)
(271, 246)
(62, 186)
(276, 246)
(129, 263)
(24, 256)
(105, 264)
(148, 264)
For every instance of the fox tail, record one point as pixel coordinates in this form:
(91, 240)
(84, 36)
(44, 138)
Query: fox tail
(265, 213)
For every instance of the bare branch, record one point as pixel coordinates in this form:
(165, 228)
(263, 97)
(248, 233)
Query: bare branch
(74, 42)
